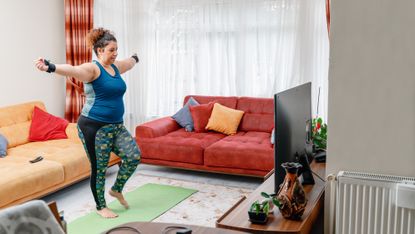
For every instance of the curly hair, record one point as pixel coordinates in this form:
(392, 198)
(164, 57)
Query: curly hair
(99, 38)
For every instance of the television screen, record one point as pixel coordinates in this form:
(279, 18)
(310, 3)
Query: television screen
(293, 131)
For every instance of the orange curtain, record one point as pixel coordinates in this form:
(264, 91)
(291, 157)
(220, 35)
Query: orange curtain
(328, 15)
(78, 22)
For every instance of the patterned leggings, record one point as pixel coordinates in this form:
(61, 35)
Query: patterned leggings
(99, 140)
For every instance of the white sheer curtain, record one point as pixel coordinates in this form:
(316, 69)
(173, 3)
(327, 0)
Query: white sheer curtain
(216, 47)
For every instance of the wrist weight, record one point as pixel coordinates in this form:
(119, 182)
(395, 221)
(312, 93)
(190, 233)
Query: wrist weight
(51, 66)
(135, 57)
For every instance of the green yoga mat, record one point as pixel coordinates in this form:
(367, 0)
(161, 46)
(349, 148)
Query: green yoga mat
(146, 203)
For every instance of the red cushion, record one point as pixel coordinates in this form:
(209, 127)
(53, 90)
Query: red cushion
(45, 126)
(200, 115)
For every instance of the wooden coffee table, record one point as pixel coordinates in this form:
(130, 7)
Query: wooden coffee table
(154, 227)
(237, 217)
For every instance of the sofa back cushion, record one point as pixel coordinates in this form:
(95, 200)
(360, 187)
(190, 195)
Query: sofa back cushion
(15, 122)
(226, 101)
(259, 114)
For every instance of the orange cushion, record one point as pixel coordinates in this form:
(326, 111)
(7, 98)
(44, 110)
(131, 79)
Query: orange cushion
(224, 119)
(45, 126)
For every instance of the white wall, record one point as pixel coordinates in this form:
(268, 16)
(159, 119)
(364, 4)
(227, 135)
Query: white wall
(371, 107)
(372, 87)
(30, 29)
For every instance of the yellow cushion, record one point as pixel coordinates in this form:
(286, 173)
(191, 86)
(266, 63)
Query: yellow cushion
(224, 119)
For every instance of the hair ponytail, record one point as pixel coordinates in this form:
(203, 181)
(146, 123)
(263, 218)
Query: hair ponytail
(99, 38)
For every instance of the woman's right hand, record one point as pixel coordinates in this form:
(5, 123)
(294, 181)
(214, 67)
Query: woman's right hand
(40, 64)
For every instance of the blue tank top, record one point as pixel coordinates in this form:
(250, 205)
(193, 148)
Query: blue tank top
(104, 97)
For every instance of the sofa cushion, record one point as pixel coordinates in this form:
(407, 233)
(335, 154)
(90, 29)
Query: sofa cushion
(259, 114)
(224, 119)
(19, 178)
(226, 101)
(45, 126)
(183, 116)
(178, 146)
(19, 113)
(200, 115)
(69, 154)
(3, 146)
(245, 150)
(72, 133)
(15, 122)
(16, 134)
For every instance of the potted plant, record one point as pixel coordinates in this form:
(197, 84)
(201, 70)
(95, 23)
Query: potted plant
(319, 134)
(258, 213)
(259, 210)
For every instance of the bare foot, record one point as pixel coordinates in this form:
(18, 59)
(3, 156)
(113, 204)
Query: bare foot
(120, 198)
(107, 213)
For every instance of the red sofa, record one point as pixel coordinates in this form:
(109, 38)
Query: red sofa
(249, 152)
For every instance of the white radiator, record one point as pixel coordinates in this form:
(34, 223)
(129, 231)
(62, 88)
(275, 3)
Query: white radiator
(372, 203)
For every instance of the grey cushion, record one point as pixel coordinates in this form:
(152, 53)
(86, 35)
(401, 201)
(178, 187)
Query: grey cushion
(183, 116)
(273, 136)
(3, 146)
(31, 217)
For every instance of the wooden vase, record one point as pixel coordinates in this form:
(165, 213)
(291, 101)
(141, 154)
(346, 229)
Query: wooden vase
(291, 193)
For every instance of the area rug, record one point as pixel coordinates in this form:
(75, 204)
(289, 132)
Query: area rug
(147, 202)
(214, 197)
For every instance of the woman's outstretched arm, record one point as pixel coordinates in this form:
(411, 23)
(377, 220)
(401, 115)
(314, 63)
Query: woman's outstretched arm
(126, 64)
(86, 72)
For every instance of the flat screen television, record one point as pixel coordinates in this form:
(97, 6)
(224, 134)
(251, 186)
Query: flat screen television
(293, 131)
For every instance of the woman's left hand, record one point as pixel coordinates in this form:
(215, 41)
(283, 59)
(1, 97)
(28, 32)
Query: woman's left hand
(40, 64)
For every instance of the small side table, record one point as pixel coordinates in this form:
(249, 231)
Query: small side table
(237, 217)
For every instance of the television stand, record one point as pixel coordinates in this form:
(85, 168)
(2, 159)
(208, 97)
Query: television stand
(306, 175)
(236, 218)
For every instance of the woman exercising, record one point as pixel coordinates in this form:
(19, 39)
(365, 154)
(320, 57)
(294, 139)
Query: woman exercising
(100, 125)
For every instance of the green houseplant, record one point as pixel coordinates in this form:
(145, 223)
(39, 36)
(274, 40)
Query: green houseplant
(258, 212)
(319, 134)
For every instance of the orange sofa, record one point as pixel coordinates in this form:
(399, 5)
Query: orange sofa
(249, 152)
(64, 163)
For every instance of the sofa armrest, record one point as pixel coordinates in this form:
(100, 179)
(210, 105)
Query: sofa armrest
(72, 132)
(156, 128)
